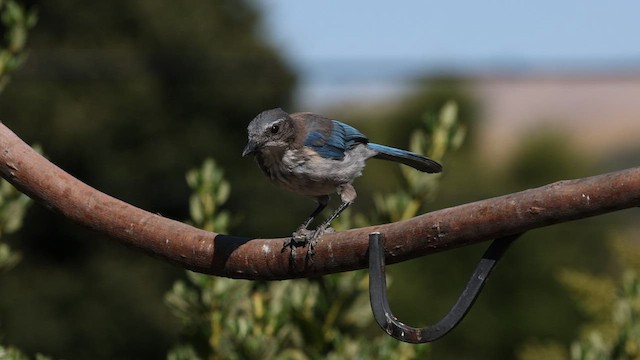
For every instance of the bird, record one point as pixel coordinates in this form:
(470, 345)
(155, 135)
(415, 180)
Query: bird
(315, 156)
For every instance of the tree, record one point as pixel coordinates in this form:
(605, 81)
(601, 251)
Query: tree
(126, 94)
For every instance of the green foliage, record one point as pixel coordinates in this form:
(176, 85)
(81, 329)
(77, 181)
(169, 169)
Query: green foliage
(235, 319)
(612, 307)
(209, 191)
(11, 353)
(447, 136)
(13, 205)
(547, 351)
(134, 79)
(126, 95)
(16, 22)
(432, 97)
(299, 319)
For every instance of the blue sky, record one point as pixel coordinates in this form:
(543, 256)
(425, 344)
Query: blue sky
(458, 34)
(457, 30)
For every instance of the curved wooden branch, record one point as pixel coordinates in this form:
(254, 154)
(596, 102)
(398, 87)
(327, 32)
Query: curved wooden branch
(239, 257)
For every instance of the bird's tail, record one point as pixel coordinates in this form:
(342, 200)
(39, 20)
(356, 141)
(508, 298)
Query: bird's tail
(414, 160)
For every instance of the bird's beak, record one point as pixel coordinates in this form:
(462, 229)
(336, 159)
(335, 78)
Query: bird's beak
(250, 149)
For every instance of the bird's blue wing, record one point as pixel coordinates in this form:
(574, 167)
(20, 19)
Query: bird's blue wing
(332, 144)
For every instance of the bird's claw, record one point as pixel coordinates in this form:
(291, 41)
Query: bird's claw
(317, 234)
(302, 237)
(298, 238)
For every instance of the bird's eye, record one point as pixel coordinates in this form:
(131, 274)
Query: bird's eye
(274, 128)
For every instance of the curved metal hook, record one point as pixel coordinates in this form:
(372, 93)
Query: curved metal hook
(403, 332)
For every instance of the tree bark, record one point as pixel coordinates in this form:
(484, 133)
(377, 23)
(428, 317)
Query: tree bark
(242, 257)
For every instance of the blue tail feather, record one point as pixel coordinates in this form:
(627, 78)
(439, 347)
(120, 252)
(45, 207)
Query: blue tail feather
(414, 160)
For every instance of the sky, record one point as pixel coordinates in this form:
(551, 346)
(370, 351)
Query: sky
(327, 40)
(468, 30)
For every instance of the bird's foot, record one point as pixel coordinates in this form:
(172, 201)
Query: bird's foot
(317, 234)
(301, 236)
(298, 238)
(305, 237)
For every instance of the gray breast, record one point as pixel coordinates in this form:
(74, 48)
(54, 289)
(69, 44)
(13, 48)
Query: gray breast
(309, 174)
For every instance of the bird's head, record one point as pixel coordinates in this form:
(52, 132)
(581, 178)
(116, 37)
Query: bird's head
(270, 129)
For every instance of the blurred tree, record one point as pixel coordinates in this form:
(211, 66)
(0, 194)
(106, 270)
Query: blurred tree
(544, 155)
(431, 94)
(129, 92)
(15, 22)
(610, 302)
(126, 95)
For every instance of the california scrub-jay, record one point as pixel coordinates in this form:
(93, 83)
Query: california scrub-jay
(314, 156)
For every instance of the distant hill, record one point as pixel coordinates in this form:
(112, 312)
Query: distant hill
(599, 113)
(596, 105)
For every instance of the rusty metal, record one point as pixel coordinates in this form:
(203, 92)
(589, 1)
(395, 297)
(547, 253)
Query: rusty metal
(403, 332)
(244, 257)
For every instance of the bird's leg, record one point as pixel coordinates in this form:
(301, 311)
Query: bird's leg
(347, 195)
(322, 203)
(322, 228)
(302, 234)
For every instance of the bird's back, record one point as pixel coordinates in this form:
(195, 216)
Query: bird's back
(329, 138)
(324, 155)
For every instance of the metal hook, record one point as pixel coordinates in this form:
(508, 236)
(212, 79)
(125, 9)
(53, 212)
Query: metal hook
(403, 332)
